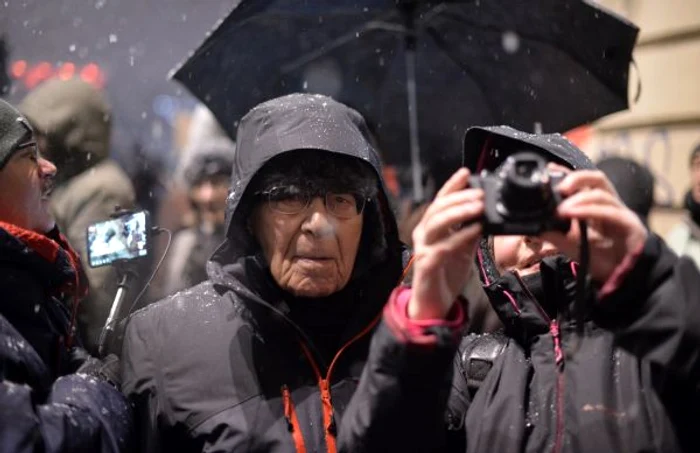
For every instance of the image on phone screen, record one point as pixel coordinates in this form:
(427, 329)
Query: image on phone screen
(121, 239)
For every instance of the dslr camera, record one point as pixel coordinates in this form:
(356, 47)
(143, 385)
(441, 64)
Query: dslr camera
(520, 197)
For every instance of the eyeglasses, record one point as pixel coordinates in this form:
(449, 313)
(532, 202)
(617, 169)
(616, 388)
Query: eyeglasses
(32, 144)
(287, 200)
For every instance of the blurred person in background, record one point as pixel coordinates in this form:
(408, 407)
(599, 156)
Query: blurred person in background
(53, 396)
(207, 177)
(684, 238)
(73, 125)
(633, 182)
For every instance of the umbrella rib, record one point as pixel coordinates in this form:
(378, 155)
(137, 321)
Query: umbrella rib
(340, 41)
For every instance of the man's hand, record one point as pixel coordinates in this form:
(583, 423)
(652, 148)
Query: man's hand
(614, 231)
(444, 252)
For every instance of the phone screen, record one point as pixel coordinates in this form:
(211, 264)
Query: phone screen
(121, 239)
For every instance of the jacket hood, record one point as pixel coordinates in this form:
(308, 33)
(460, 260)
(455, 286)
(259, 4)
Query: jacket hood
(75, 118)
(289, 123)
(485, 148)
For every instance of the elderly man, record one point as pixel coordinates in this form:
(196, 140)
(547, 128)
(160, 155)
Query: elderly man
(44, 404)
(265, 354)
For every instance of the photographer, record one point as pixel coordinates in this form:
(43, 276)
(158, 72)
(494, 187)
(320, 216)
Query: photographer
(625, 380)
(53, 397)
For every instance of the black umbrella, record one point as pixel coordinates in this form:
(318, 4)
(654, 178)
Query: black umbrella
(549, 64)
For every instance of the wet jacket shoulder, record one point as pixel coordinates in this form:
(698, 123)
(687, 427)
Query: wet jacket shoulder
(44, 407)
(631, 384)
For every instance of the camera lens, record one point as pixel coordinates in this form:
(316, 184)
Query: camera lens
(526, 190)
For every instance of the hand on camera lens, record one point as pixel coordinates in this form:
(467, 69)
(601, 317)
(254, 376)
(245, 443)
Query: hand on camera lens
(444, 249)
(614, 231)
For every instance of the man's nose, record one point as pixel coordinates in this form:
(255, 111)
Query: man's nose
(47, 168)
(318, 220)
(538, 244)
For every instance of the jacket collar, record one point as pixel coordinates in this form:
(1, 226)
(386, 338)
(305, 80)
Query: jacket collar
(522, 315)
(50, 255)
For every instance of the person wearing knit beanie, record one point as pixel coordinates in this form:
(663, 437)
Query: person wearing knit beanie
(43, 366)
(26, 179)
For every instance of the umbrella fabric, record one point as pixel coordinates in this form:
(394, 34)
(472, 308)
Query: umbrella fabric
(556, 63)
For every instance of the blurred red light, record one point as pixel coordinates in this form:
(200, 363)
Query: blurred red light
(66, 71)
(38, 74)
(92, 74)
(18, 68)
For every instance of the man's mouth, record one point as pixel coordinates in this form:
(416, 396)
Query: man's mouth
(48, 190)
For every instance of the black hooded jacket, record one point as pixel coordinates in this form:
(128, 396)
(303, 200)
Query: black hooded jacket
(44, 405)
(231, 364)
(628, 384)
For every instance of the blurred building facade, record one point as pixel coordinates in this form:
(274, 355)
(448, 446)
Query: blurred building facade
(663, 125)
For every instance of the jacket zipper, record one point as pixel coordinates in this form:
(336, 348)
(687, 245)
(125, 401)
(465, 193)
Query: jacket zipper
(324, 385)
(290, 414)
(559, 362)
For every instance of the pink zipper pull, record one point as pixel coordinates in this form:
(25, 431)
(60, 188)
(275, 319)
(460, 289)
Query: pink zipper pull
(554, 331)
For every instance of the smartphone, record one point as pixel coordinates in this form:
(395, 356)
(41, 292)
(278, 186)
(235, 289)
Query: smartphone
(122, 238)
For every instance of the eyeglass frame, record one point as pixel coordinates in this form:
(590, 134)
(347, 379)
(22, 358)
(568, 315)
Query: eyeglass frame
(361, 201)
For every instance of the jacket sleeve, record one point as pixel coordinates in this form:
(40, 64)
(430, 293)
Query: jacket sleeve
(139, 384)
(81, 413)
(402, 398)
(655, 311)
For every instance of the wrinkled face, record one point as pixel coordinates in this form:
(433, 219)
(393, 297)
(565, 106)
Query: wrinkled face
(311, 253)
(26, 183)
(209, 197)
(521, 253)
(695, 178)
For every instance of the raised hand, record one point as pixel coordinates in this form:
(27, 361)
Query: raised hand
(444, 249)
(614, 231)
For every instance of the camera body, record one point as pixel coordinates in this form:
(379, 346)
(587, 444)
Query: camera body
(520, 197)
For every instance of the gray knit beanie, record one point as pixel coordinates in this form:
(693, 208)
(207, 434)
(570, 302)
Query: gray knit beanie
(14, 131)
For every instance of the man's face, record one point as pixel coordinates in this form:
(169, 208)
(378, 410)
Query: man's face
(311, 253)
(695, 178)
(521, 253)
(209, 197)
(26, 183)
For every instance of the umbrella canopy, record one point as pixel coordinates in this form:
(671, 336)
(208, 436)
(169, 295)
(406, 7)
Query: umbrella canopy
(552, 63)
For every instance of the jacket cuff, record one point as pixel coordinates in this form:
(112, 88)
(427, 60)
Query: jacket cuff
(426, 331)
(621, 272)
